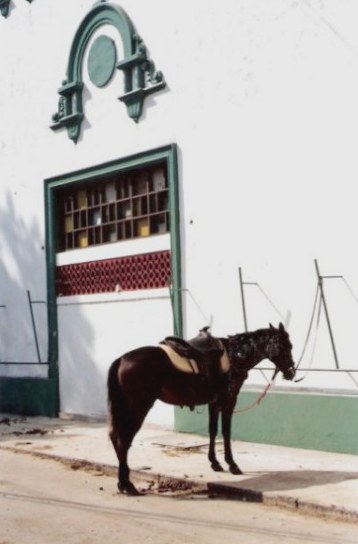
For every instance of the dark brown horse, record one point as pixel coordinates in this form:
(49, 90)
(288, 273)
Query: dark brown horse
(140, 377)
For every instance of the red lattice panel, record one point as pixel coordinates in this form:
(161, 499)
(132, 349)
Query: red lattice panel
(147, 271)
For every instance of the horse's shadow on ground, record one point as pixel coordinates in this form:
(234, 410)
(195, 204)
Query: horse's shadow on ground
(284, 481)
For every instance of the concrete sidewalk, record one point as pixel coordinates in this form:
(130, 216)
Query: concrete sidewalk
(319, 483)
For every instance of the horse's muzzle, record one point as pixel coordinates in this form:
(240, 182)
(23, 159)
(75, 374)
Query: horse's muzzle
(290, 373)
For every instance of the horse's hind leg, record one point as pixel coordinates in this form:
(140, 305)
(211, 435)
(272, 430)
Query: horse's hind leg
(121, 446)
(122, 441)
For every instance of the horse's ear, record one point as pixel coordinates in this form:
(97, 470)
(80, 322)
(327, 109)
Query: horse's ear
(271, 326)
(281, 327)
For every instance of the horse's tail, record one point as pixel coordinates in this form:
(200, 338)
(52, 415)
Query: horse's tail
(116, 403)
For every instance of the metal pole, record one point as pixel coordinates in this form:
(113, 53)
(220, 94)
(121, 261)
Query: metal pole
(320, 283)
(243, 298)
(171, 297)
(34, 327)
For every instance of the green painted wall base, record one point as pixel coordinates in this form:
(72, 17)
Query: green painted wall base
(29, 396)
(309, 421)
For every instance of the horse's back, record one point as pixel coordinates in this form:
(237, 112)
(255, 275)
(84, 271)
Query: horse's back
(146, 362)
(143, 355)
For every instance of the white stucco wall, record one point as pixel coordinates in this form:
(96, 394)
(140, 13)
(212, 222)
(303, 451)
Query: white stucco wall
(261, 100)
(96, 329)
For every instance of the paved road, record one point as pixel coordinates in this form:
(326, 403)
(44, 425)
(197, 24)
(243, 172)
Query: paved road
(45, 501)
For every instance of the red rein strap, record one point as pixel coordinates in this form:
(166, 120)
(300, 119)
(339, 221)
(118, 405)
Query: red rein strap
(260, 397)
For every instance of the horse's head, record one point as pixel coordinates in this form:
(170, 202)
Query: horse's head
(279, 351)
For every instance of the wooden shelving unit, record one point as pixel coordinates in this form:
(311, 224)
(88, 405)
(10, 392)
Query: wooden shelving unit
(130, 205)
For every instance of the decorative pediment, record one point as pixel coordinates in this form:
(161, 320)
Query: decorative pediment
(140, 75)
(4, 7)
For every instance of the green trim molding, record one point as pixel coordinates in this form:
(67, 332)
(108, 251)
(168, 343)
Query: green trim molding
(314, 421)
(140, 75)
(29, 396)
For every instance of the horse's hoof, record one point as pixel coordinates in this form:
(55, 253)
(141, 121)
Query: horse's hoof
(234, 469)
(129, 489)
(217, 467)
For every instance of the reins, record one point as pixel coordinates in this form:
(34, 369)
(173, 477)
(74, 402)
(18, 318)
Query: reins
(271, 382)
(260, 397)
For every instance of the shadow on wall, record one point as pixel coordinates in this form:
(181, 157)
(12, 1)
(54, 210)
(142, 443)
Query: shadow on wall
(82, 384)
(22, 269)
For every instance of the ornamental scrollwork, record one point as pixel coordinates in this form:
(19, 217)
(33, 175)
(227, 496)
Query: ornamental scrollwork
(5, 6)
(140, 75)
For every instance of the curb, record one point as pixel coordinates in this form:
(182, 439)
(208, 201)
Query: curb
(222, 490)
(153, 481)
(164, 484)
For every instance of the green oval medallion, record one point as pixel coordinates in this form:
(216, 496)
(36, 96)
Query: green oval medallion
(101, 61)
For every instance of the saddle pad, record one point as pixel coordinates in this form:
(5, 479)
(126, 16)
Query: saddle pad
(190, 366)
(224, 362)
(181, 363)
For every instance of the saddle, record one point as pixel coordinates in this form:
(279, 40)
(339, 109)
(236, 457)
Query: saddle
(203, 354)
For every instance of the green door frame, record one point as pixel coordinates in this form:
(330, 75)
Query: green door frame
(169, 155)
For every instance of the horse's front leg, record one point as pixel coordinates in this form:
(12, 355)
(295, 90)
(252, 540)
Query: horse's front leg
(226, 430)
(213, 431)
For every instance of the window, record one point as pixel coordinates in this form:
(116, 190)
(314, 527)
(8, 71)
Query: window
(145, 265)
(123, 206)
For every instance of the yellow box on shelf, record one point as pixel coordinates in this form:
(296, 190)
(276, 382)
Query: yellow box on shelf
(82, 239)
(68, 223)
(143, 227)
(81, 199)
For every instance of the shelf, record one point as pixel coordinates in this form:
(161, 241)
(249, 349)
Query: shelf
(126, 206)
